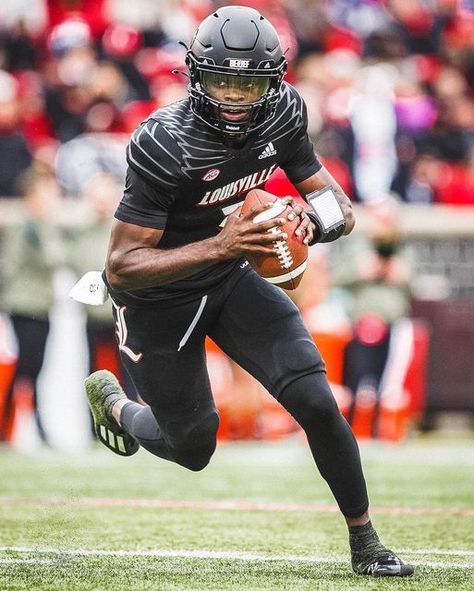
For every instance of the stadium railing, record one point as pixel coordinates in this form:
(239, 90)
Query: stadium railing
(442, 238)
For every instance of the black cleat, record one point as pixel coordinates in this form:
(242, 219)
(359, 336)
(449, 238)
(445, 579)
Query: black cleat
(384, 564)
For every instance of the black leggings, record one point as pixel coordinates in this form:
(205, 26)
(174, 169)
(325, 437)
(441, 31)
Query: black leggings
(311, 403)
(332, 443)
(257, 326)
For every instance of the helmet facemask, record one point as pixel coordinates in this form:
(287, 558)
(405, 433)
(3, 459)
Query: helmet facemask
(235, 69)
(217, 92)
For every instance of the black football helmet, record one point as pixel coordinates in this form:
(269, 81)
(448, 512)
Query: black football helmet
(236, 66)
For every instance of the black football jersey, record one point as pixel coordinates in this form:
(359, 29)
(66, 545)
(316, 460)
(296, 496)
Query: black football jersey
(183, 179)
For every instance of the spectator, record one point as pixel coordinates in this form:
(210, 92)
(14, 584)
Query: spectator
(87, 249)
(374, 269)
(100, 65)
(121, 44)
(374, 124)
(16, 156)
(33, 249)
(87, 155)
(36, 126)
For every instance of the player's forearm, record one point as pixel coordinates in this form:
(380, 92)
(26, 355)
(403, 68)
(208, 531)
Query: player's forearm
(346, 207)
(147, 267)
(321, 179)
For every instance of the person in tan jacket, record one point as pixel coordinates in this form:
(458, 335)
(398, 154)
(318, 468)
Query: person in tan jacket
(32, 249)
(87, 243)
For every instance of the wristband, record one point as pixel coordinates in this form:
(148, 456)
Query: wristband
(327, 215)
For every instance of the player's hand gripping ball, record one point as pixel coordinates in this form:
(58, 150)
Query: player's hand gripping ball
(286, 268)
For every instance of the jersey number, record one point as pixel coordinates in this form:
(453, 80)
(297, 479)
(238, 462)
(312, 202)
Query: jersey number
(228, 210)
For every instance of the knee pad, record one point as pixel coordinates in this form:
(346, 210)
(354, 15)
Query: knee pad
(293, 361)
(309, 400)
(194, 459)
(299, 355)
(193, 442)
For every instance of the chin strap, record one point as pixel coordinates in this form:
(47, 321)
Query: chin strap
(326, 214)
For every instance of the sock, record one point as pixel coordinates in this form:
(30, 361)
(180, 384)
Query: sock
(127, 414)
(365, 544)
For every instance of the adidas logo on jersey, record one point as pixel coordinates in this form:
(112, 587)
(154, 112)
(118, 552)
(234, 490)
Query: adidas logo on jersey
(269, 151)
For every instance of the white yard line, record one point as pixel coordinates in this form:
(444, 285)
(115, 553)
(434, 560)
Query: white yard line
(428, 551)
(27, 560)
(236, 505)
(196, 554)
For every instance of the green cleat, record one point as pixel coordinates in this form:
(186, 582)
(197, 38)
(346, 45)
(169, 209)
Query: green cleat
(103, 391)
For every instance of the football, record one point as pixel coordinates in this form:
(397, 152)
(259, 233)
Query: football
(287, 267)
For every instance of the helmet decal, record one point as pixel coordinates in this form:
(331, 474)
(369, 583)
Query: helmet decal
(239, 63)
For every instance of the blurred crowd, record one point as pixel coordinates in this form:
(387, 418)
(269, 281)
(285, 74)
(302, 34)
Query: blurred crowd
(388, 85)
(389, 88)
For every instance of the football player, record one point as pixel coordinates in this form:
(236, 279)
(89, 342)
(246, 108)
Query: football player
(176, 268)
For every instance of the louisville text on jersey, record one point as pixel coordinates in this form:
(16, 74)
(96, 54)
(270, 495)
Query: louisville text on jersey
(235, 188)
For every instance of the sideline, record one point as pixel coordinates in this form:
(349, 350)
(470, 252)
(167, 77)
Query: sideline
(197, 554)
(237, 505)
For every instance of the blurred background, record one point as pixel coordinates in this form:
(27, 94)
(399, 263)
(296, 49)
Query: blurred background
(389, 89)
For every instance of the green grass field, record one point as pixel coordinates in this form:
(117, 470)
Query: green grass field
(258, 518)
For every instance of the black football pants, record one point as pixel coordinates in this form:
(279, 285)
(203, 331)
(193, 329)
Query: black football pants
(260, 328)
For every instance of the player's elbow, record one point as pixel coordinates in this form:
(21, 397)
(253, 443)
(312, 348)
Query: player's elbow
(116, 281)
(116, 272)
